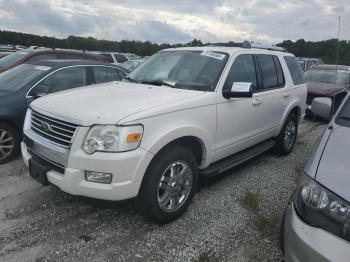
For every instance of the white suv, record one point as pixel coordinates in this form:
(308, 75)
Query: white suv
(183, 114)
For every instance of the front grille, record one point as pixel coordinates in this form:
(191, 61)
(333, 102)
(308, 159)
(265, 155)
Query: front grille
(57, 131)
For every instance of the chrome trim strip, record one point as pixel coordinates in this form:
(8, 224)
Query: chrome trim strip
(50, 119)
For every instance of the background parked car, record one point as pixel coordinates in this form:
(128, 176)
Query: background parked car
(327, 81)
(307, 62)
(118, 58)
(3, 54)
(19, 86)
(316, 224)
(130, 65)
(31, 55)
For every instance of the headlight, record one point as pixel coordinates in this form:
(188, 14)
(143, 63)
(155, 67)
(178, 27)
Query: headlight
(321, 208)
(112, 138)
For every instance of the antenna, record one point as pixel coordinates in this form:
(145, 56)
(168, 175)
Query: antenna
(337, 58)
(107, 28)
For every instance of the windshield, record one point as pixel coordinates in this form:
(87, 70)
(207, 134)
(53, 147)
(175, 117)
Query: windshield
(11, 59)
(19, 76)
(194, 70)
(343, 117)
(328, 76)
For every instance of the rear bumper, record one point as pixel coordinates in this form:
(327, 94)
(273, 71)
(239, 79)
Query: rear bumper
(306, 243)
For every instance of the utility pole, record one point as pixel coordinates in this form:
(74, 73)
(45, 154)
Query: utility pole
(107, 28)
(337, 58)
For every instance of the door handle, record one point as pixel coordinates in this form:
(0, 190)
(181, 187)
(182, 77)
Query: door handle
(257, 101)
(286, 94)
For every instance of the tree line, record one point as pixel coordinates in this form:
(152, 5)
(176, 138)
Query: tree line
(326, 50)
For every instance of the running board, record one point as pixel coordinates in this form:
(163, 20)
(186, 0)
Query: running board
(234, 160)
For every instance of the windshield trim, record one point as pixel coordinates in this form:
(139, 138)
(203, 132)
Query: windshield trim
(219, 76)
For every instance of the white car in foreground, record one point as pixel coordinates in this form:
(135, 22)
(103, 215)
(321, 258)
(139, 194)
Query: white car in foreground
(183, 114)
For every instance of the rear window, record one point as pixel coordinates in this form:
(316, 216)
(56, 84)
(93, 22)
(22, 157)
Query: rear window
(295, 70)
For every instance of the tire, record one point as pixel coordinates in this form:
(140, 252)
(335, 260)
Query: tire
(160, 198)
(9, 143)
(286, 139)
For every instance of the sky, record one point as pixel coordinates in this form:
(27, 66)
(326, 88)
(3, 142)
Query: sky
(179, 21)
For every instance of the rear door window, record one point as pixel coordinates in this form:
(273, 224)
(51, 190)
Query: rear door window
(295, 70)
(104, 74)
(268, 72)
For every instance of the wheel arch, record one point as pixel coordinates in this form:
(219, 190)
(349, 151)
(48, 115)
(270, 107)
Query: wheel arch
(294, 108)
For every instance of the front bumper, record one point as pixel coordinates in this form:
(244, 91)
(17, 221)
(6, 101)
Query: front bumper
(306, 243)
(127, 168)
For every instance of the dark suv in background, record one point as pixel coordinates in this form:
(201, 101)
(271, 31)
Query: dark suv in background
(21, 85)
(32, 55)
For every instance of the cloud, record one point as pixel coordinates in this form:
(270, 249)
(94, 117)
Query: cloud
(267, 21)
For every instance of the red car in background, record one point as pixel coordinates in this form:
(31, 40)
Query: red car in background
(32, 55)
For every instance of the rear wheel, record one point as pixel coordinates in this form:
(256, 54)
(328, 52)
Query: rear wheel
(169, 185)
(9, 143)
(286, 139)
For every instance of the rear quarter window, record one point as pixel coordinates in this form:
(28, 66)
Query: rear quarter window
(294, 70)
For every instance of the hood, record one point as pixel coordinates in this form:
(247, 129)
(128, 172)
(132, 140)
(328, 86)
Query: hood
(325, 89)
(108, 103)
(334, 168)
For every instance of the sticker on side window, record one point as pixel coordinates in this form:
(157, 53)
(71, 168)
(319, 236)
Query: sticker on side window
(45, 68)
(213, 55)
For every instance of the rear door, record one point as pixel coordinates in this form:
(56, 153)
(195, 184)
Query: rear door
(272, 92)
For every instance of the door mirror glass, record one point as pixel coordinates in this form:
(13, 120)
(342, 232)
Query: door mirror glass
(239, 89)
(40, 90)
(322, 107)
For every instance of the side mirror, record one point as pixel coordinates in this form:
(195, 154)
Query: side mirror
(239, 89)
(322, 107)
(39, 91)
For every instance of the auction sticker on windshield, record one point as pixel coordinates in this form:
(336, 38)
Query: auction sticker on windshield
(213, 55)
(45, 68)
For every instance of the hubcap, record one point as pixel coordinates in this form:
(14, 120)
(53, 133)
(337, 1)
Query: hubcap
(174, 186)
(6, 144)
(290, 135)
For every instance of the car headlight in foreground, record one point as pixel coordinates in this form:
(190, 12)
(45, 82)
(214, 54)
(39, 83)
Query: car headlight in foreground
(112, 138)
(321, 208)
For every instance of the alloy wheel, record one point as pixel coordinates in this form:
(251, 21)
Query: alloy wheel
(290, 135)
(6, 144)
(174, 186)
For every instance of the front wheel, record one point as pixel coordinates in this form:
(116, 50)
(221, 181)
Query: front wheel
(9, 143)
(286, 139)
(169, 185)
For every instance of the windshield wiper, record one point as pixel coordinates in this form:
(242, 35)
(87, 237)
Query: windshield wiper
(131, 80)
(157, 83)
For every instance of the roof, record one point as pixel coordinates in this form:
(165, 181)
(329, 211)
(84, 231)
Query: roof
(331, 67)
(63, 63)
(226, 49)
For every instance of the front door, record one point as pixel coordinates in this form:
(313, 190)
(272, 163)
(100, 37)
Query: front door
(240, 121)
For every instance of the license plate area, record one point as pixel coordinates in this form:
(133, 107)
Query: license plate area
(38, 171)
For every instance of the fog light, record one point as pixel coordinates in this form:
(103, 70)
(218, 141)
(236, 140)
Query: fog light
(98, 177)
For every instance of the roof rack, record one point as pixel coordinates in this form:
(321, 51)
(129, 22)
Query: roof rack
(249, 45)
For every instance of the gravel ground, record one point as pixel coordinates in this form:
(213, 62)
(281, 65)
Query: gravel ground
(234, 217)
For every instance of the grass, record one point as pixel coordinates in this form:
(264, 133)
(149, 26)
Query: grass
(262, 223)
(251, 200)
